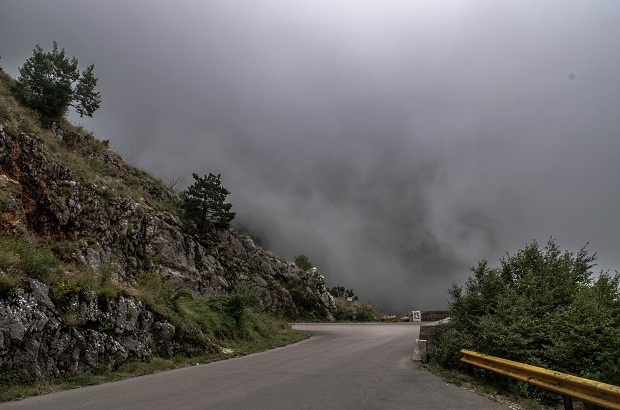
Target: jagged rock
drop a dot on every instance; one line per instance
(12, 214)
(120, 235)
(37, 337)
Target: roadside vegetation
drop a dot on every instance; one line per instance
(346, 311)
(214, 328)
(347, 306)
(349, 309)
(541, 306)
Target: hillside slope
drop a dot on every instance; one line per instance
(97, 265)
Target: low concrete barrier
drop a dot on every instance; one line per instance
(426, 339)
(419, 351)
(432, 315)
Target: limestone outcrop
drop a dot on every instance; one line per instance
(106, 216)
(44, 339)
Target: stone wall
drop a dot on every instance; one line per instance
(432, 315)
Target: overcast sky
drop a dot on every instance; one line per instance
(395, 143)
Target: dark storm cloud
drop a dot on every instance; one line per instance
(394, 143)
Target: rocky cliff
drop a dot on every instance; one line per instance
(98, 214)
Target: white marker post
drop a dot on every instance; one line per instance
(415, 316)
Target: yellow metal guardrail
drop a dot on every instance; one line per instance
(601, 394)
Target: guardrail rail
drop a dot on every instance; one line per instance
(601, 394)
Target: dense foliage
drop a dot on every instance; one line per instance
(542, 307)
(348, 308)
(209, 327)
(346, 311)
(50, 82)
(342, 292)
(224, 319)
(203, 203)
(302, 262)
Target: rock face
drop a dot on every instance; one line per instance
(45, 340)
(114, 219)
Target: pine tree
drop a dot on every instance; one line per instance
(203, 203)
(50, 82)
(302, 262)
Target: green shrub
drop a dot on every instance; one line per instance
(227, 313)
(34, 260)
(108, 290)
(63, 292)
(9, 259)
(66, 250)
(37, 262)
(365, 313)
(8, 285)
(222, 317)
(540, 307)
(302, 262)
(307, 302)
(11, 375)
(154, 289)
(11, 131)
(353, 311)
(4, 114)
(106, 325)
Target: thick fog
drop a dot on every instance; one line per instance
(393, 143)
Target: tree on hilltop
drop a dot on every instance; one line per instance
(302, 262)
(203, 203)
(342, 292)
(50, 82)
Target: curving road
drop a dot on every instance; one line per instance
(343, 366)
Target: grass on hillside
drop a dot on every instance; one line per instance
(209, 325)
(214, 328)
(353, 311)
(90, 159)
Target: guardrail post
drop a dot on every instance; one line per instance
(568, 402)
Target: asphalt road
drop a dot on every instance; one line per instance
(343, 366)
